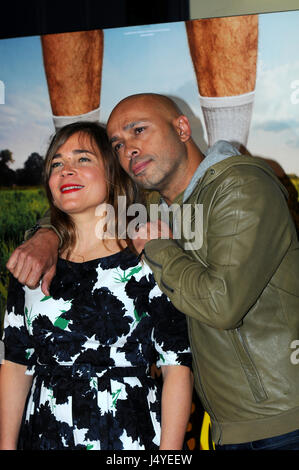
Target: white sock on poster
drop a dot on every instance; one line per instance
(60, 121)
(228, 118)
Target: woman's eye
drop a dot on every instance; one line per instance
(55, 164)
(84, 159)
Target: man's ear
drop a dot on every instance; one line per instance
(183, 128)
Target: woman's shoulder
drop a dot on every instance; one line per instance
(124, 260)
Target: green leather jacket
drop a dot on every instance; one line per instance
(240, 292)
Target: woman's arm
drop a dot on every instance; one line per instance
(176, 405)
(14, 388)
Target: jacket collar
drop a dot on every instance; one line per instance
(220, 151)
(215, 154)
(218, 159)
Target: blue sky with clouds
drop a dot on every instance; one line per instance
(156, 58)
(275, 122)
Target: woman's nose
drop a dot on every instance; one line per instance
(68, 169)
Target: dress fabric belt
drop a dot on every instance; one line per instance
(88, 371)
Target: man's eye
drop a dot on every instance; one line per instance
(138, 130)
(117, 147)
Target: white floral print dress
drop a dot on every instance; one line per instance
(89, 347)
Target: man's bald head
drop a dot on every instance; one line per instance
(166, 106)
(152, 139)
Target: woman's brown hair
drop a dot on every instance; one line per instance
(118, 182)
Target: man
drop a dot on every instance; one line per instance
(239, 289)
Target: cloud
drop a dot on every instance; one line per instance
(275, 111)
(277, 126)
(25, 124)
(273, 101)
(274, 131)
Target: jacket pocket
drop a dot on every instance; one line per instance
(248, 366)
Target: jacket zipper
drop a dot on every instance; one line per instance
(248, 366)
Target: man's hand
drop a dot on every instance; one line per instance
(151, 231)
(35, 259)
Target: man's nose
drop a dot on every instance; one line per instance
(132, 152)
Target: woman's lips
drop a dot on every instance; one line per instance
(68, 188)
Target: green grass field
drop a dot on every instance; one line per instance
(20, 208)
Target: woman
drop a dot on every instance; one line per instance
(77, 368)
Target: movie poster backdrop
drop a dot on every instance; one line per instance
(43, 79)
